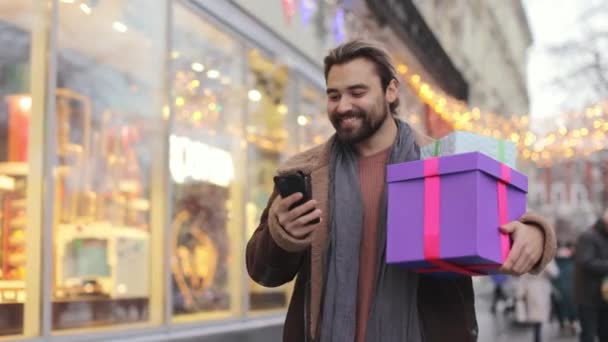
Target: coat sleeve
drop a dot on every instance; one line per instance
(587, 256)
(550, 243)
(273, 256)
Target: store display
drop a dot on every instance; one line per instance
(200, 248)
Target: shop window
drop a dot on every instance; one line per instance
(110, 62)
(21, 61)
(207, 151)
(314, 127)
(271, 138)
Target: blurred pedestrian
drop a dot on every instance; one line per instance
(533, 296)
(591, 277)
(564, 291)
(499, 294)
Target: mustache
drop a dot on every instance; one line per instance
(349, 114)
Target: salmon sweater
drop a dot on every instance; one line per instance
(372, 176)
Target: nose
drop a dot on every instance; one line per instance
(344, 106)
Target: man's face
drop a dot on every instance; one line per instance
(356, 103)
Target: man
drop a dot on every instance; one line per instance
(344, 290)
(591, 276)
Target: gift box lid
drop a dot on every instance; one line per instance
(464, 162)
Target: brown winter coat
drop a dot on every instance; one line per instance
(446, 306)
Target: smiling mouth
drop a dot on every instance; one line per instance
(349, 121)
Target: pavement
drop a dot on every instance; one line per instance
(499, 328)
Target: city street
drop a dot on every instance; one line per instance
(499, 328)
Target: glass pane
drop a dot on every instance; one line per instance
(16, 20)
(270, 123)
(206, 158)
(314, 127)
(109, 117)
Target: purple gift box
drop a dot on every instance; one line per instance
(444, 213)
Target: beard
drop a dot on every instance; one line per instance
(368, 125)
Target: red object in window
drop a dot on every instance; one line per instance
(19, 113)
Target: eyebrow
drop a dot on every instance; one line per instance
(352, 87)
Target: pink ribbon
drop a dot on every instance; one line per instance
(503, 209)
(432, 224)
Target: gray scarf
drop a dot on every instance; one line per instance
(394, 315)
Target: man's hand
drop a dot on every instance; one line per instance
(296, 221)
(527, 249)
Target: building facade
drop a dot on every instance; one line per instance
(488, 42)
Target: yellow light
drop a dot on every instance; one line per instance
(527, 153)
(416, 79)
(119, 27)
(85, 9)
(584, 132)
(535, 156)
(515, 137)
(175, 54)
(195, 84)
(198, 67)
(597, 110)
(476, 114)
(213, 74)
(402, 68)
(563, 130)
(282, 109)
(180, 101)
(302, 120)
(25, 103)
(569, 153)
(212, 106)
(166, 112)
(225, 80)
(597, 124)
(68, 1)
(254, 95)
(197, 116)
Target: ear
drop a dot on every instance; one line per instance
(392, 91)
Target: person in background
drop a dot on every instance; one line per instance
(564, 286)
(499, 290)
(535, 292)
(591, 278)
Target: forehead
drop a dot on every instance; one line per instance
(356, 71)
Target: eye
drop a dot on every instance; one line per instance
(334, 97)
(358, 93)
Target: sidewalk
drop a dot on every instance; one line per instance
(499, 329)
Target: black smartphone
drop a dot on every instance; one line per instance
(292, 183)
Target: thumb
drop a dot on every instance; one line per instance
(508, 228)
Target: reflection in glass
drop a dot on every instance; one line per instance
(15, 112)
(205, 161)
(108, 116)
(268, 127)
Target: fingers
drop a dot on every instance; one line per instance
(301, 232)
(285, 203)
(297, 220)
(509, 265)
(510, 227)
(306, 219)
(301, 210)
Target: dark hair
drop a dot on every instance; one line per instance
(371, 51)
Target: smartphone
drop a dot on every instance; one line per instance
(291, 183)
